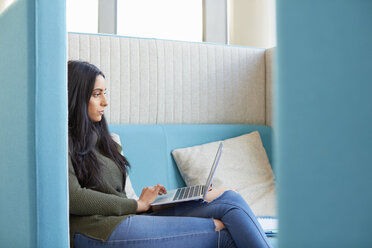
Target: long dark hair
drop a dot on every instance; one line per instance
(84, 135)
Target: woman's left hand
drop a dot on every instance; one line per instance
(148, 196)
(162, 190)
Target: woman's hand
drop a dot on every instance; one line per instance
(148, 196)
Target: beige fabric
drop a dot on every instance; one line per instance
(154, 81)
(270, 53)
(243, 165)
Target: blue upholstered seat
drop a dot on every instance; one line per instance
(148, 148)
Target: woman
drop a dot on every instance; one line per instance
(100, 213)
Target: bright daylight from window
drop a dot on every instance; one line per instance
(164, 19)
(82, 16)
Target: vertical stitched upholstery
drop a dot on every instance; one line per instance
(153, 81)
(270, 53)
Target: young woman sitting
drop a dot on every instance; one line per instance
(100, 213)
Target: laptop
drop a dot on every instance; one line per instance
(190, 193)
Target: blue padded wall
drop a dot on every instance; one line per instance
(17, 126)
(51, 124)
(323, 120)
(33, 133)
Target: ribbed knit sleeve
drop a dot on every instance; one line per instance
(85, 201)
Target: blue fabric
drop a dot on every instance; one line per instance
(148, 148)
(323, 120)
(188, 225)
(18, 205)
(51, 124)
(33, 133)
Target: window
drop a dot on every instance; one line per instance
(82, 16)
(164, 19)
(239, 22)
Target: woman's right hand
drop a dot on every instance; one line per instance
(148, 196)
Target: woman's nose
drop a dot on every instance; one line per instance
(104, 101)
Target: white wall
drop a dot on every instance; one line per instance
(252, 23)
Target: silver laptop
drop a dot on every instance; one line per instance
(190, 193)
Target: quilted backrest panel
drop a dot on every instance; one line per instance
(153, 81)
(270, 53)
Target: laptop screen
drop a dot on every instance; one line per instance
(213, 169)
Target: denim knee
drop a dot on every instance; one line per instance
(232, 199)
(231, 196)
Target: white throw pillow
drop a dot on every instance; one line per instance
(131, 194)
(243, 166)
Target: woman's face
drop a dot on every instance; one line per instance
(97, 101)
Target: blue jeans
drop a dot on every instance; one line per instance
(188, 225)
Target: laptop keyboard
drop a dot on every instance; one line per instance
(188, 192)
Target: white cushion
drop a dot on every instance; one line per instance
(131, 194)
(243, 166)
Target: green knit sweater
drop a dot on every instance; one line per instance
(97, 213)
